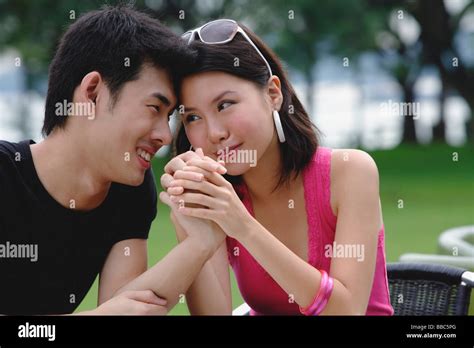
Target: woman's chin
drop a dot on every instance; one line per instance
(235, 169)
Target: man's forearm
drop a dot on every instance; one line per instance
(174, 274)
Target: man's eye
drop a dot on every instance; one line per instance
(225, 105)
(191, 117)
(156, 107)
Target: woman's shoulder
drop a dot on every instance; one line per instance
(344, 160)
(353, 172)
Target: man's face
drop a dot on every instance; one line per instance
(126, 136)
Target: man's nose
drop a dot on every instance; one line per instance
(161, 133)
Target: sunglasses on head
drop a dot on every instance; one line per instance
(221, 31)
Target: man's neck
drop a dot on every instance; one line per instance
(64, 168)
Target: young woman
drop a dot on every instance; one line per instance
(303, 222)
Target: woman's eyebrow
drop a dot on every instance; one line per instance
(192, 108)
(188, 109)
(221, 95)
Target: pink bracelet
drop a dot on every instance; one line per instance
(311, 309)
(325, 300)
(322, 297)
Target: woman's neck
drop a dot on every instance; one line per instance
(262, 179)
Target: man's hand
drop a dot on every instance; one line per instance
(143, 302)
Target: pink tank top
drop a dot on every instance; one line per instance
(258, 288)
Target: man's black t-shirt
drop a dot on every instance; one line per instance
(51, 255)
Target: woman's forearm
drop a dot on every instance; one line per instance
(210, 291)
(298, 279)
(206, 296)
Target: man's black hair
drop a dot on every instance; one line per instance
(116, 42)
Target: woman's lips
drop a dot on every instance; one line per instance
(234, 147)
(227, 149)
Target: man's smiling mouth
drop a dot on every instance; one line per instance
(147, 156)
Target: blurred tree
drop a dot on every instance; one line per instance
(435, 46)
(32, 28)
(400, 55)
(315, 29)
(301, 32)
(438, 33)
(308, 30)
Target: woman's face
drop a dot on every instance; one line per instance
(230, 118)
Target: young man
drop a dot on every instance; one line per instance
(81, 202)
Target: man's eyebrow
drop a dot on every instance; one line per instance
(162, 98)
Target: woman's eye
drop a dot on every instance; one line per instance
(224, 105)
(190, 118)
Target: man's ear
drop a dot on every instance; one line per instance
(274, 92)
(90, 86)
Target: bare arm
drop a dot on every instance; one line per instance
(173, 275)
(210, 292)
(126, 260)
(359, 220)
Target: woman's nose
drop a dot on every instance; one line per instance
(217, 133)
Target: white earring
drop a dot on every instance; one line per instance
(191, 148)
(279, 128)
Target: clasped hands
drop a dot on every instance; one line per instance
(204, 205)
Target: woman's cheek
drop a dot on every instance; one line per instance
(254, 134)
(196, 138)
(243, 128)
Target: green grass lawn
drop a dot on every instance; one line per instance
(437, 194)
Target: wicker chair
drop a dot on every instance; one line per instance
(422, 289)
(429, 289)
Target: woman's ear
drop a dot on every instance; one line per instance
(274, 92)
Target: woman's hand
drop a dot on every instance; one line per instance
(207, 233)
(204, 230)
(179, 162)
(216, 197)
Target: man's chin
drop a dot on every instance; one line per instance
(131, 180)
(137, 181)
